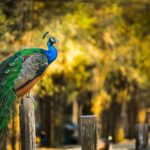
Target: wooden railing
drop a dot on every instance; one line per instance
(88, 130)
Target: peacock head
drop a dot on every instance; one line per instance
(51, 40)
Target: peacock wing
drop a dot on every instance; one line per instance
(32, 68)
(9, 71)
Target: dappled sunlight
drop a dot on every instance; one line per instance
(102, 68)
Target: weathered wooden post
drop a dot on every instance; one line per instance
(141, 134)
(27, 124)
(88, 132)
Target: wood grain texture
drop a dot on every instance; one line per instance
(27, 124)
(88, 132)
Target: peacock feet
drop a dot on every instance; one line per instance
(28, 95)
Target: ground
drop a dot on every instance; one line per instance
(127, 145)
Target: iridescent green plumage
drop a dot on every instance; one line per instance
(9, 72)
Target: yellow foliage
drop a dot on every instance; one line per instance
(103, 49)
(119, 134)
(101, 102)
(141, 116)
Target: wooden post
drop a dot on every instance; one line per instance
(148, 116)
(88, 132)
(27, 124)
(141, 133)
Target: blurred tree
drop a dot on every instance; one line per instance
(103, 61)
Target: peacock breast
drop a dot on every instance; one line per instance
(51, 54)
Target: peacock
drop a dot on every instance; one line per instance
(20, 72)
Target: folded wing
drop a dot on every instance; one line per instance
(32, 68)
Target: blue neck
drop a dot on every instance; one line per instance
(51, 52)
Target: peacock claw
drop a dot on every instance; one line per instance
(32, 98)
(28, 95)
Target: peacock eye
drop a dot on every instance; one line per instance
(52, 39)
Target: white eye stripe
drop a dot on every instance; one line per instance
(53, 39)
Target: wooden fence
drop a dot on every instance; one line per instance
(88, 130)
(88, 135)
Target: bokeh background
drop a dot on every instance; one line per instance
(103, 67)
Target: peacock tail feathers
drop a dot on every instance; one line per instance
(6, 111)
(10, 69)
